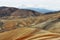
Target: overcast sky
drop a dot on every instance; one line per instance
(46, 4)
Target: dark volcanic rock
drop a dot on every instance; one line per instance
(6, 11)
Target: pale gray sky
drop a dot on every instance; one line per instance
(46, 4)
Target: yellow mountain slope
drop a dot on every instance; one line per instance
(26, 33)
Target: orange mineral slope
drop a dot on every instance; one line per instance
(25, 33)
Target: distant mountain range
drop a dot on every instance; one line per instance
(12, 12)
(39, 10)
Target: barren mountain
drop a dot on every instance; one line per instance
(15, 12)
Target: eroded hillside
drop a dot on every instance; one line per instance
(22, 24)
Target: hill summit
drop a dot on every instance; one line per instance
(15, 12)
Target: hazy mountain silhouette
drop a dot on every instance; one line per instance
(40, 10)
